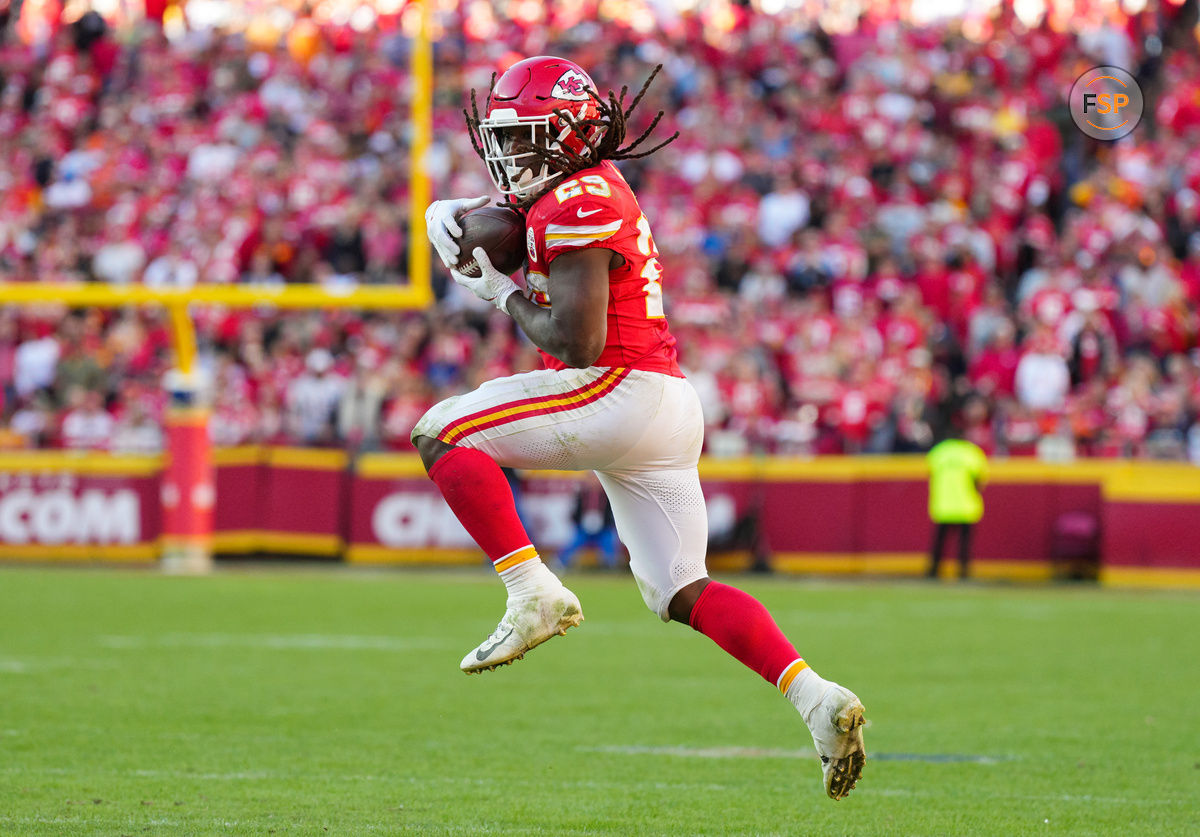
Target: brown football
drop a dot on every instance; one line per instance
(500, 231)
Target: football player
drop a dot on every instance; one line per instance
(611, 398)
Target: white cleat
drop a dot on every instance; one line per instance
(527, 623)
(836, 723)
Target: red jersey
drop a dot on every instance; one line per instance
(596, 208)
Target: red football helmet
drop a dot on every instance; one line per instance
(526, 98)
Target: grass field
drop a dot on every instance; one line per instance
(326, 702)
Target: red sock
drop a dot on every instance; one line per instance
(739, 623)
(481, 499)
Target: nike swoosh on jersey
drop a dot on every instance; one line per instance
(583, 214)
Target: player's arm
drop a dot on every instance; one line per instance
(575, 328)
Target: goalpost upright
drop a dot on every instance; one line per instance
(187, 491)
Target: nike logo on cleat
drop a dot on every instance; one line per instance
(482, 653)
(583, 214)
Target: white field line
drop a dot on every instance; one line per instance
(771, 753)
(14, 665)
(302, 642)
(1034, 797)
(292, 776)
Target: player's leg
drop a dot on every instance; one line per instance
(463, 442)
(544, 419)
(964, 549)
(477, 491)
(539, 606)
(936, 548)
(661, 517)
(744, 628)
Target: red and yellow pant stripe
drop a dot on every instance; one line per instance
(457, 430)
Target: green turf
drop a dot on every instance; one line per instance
(311, 702)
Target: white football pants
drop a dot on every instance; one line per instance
(641, 432)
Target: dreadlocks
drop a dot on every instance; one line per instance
(613, 116)
(472, 118)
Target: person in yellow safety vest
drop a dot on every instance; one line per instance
(957, 470)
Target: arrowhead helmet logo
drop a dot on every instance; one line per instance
(571, 85)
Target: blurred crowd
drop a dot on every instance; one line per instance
(868, 237)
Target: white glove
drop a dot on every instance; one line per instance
(491, 285)
(441, 225)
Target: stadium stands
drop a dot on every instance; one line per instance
(866, 236)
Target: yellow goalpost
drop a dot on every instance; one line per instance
(187, 481)
(417, 294)
(187, 491)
